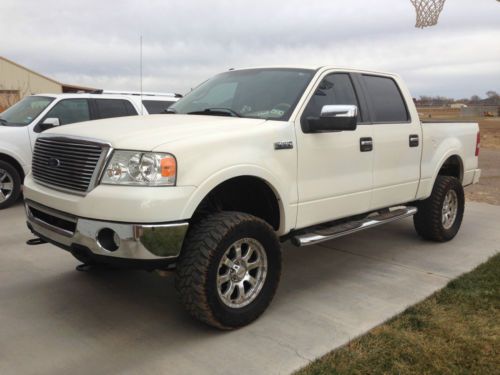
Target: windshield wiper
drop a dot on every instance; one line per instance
(216, 111)
(3, 121)
(169, 110)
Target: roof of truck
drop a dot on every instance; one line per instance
(316, 68)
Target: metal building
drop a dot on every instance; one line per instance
(17, 81)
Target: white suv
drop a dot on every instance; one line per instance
(21, 124)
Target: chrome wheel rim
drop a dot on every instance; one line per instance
(6, 185)
(450, 209)
(241, 273)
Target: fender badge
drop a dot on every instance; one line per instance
(283, 145)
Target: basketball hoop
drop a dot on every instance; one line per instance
(427, 12)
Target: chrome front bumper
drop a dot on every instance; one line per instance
(119, 240)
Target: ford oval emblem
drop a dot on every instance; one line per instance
(53, 163)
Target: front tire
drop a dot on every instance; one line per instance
(229, 269)
(439, 217)
(10, 185)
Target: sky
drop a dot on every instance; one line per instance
(96, 43)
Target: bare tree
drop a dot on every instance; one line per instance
(492, 94)
(475, 98)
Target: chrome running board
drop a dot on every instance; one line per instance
(320, 234)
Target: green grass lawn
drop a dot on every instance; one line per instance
(454, 331)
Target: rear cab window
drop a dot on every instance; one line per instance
(156, 106)
(107, 108)
(386, 102)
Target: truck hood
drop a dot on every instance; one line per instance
(148, 132)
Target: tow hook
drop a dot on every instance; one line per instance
(35, 241)
(84, 267)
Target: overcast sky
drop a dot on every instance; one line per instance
(96, 42)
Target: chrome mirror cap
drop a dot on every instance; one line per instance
(343, 110)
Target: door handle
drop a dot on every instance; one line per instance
(365, 144)
(413, 140)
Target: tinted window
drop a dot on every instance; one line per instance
(156, 106)
(107, 108)
(334, 89)
(69, 111)
(254, 93)
(386, 101)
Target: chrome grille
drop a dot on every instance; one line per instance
(67, 163)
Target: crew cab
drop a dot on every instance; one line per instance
(21, 124)
(249, 159)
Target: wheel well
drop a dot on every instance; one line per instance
(14, 163)
(452, 167)
(247, 194)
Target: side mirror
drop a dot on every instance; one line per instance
(334, 118)
(48, 123)
(51, 122)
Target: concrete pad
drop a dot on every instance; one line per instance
(54, 320)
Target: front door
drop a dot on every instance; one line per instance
(334, 174)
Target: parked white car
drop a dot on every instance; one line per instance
(21, 124)
(249, 159)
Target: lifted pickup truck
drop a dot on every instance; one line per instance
(248, 159)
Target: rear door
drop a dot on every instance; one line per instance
(397, 141)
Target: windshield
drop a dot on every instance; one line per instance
(25, 111)
(270, 94)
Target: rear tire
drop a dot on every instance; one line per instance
(229, 269)
(439, 217)
(10, 185)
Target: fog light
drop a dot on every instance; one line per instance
(108, 239)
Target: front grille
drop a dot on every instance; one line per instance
(66, 163)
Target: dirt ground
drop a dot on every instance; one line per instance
(488, 188)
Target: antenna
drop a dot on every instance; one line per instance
(140, 70)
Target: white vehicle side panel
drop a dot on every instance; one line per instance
(441, 141)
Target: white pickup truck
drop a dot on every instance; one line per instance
(247, 160)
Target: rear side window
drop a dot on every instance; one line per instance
(387, 103)
(156, 106)
(107, 108)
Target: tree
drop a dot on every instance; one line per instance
(492, 94)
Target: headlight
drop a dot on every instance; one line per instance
(140, 168)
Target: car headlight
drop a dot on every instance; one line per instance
(140, 168)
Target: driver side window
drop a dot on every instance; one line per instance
(335, 88)
(69, 111)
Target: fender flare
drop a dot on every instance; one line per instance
(224, 175)
(16, 158)
(426, 190)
